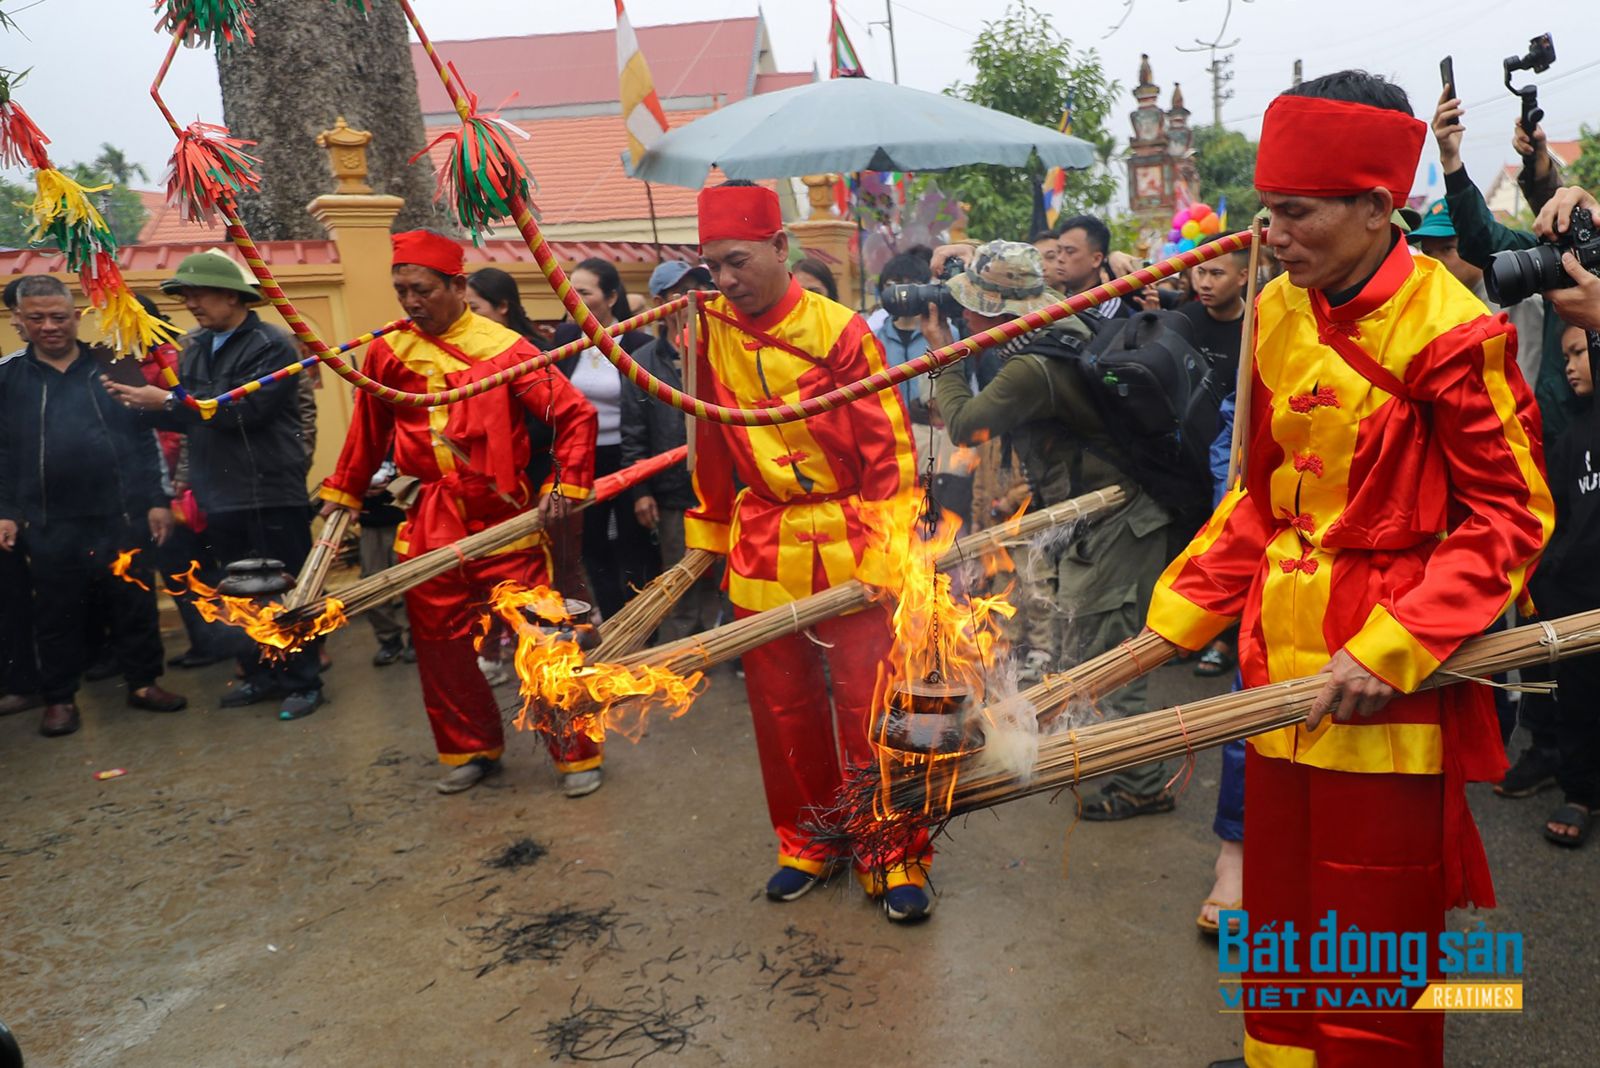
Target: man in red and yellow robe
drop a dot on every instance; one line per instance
(796, 526)
(471, 458)
(1392, 506)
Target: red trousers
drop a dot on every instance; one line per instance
(1371, 848)
(444, 612)
(805, 742)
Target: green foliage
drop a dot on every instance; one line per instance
(1226, 162)
(14, 198)
(1585, 170)
(1025, 68)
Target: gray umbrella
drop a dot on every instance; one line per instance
(846, 125)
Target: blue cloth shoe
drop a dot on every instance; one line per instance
(789, 883)
(907, 904)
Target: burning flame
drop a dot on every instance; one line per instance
(257, 618)
(562, 693)
(944, 634)
(123, 564)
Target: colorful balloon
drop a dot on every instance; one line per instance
(1199, 211)
(1191, 229)
(1210, 225)
(1186, 244)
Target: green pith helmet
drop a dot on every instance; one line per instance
(212, 269)
(1004, 278)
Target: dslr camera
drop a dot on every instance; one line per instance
(907, 299)
(1517, 274)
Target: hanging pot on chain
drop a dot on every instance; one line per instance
(927, 717)
(574, 628)
(261, 579)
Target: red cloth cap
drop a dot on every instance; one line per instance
(1312, 147)
(424, 248)
(738, 213)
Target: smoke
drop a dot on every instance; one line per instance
(1010, 725)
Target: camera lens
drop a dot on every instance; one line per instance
(1518, 274)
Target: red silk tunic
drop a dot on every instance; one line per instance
(797, 525)
(1393, 506)
(461, 497)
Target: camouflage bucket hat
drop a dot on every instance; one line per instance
(1004, 278)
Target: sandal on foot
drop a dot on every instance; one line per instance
(1122, 805)
(1212, 927)
(1575, 816)
(1214, 662)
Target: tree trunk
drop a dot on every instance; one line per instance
(313, 61)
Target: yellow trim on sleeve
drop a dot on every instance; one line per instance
(706, 534)
(339, 497)
(1388, 650)
(567, 490)
(1259, 1054)
(1181, 621)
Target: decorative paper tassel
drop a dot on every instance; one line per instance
(482, 171)
(126, 326)
(209, 169)
(63, 213)
(218, 23)
(21, 142)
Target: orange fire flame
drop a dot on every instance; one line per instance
(257, 618)
(942, 634)
(562, 694)
(122, 566)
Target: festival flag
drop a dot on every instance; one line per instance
(641, 107)
(1222, 213)
(842, 54)
(1055, 179)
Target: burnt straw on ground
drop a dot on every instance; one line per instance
(519, 854)
(849, 827)
(543, 936)
(631, 1032)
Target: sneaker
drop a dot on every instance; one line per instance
(494, 671)
(248, 693)
(300, 705)
(907, 904)
(467, 775)
(1033, 668)
(1534, 771)
(789, 883)
(581, 783)
(389, 652)
(12, 703)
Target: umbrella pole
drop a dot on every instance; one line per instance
(655, 234)
(861, 252)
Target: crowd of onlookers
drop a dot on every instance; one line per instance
(84, 478)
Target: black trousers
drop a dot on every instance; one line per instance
(616, 568)
(71, 565)
(19, 671)
(1577, 729)
(182, 549)
(278, 534)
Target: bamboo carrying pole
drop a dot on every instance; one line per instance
(1247, 362)
(700, 651)
(630, 628)
(378, 589)
(1068, 757)
(314, 572)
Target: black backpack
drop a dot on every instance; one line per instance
(1160, 402)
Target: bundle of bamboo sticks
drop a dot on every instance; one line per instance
(389, 583)
(630, 628)
(1098, 676)
(1067, 757)
(314, 572)
(700, 651)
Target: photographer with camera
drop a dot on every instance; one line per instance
(1108, 567)
(1566, 225)
(1479, 237)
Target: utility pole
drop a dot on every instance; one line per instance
(1220, 68)
(888, 20)
(1296, 83)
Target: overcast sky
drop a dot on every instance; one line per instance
(92, 60)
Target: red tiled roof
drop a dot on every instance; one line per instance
(165, 257)
(578, 165)
(1566, 151)
(710, 58)
(164, 224)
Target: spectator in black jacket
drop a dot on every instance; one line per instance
(19, 674)
(247, 463)
(650, 428)
(80, 475)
